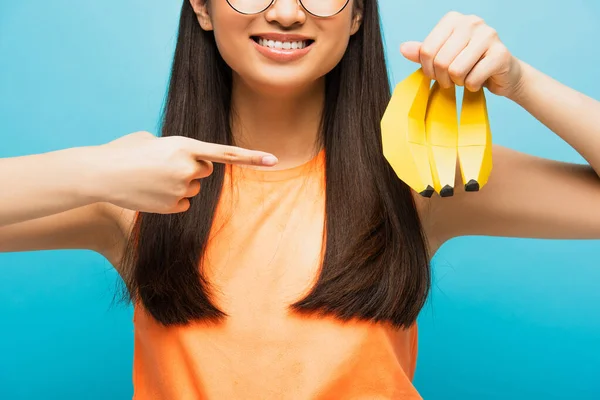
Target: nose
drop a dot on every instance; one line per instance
(286, 13)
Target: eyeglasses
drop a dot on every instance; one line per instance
(318, 8)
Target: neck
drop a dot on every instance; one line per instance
(285, 125)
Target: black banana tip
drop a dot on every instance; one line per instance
(428, 192)
(472, 186)
(447, 191)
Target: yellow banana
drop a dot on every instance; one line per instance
(441, 128)
(474, 141)
(422, 137)
(403, 133)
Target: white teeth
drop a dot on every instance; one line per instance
(282, 45)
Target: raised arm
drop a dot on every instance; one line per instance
(46, 184)
(49, 201)
(525, 196)
(85, 198)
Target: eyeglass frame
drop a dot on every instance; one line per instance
(300, 2)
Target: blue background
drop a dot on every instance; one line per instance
(508, 318)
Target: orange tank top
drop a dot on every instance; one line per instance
(263, 254)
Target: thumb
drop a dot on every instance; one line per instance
(411, 50)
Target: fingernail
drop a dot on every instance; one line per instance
(269, 160)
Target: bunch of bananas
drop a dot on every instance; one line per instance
(422, 137)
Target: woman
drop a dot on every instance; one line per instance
(269, 249)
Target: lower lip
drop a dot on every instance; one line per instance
(281, 55)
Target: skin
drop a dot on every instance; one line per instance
(291, 94)
(526, 196)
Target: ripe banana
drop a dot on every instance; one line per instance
(422, 137)
(441, 130)
(474, 141)
(403, 133)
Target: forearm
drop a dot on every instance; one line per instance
(45, 184)
(570, 114)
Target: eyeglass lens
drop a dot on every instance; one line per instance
(319, 8)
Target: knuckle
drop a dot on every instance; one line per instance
(187, 171)
(427, 52)
(135, 136)
(475, 20)
(173, 148)
(170, 206)
(142, 134)
(181, 191)
(456, 72)
(230, 156)
(429, 73)
(441, 63)
(499, 48)
(492, 32)
(472, 85)
(503, 53)
(171, 139)
(177, 142)
(452, 14)
(181, 145)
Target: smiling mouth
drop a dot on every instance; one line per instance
(287, 45)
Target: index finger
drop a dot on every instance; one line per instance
(434, 42)
(225, 154)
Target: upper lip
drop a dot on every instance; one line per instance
(282, 37)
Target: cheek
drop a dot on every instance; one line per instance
(228, 46)
(231, 36)
(334, 43)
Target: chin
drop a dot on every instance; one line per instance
(278, 84)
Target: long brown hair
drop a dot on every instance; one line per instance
(375, 266)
